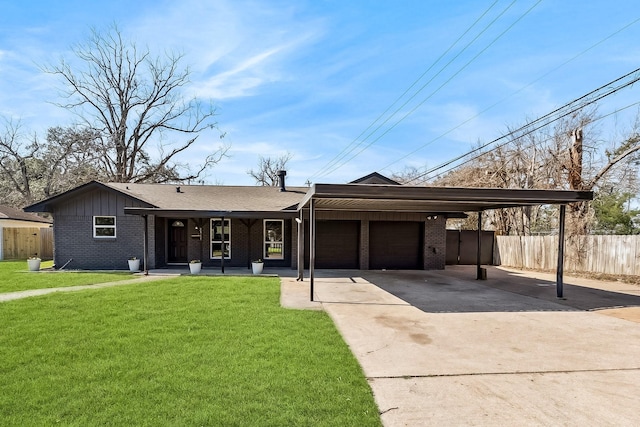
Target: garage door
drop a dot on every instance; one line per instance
(396, 245)
(337, 244)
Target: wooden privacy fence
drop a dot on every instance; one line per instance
(596, 254)
(22, 243)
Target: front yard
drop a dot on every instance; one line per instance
(182, 351)
(14, 276)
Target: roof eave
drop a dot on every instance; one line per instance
(46, 205)
(190, 213)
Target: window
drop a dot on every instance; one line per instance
(273, 239)
(104, 227)
(220, 237)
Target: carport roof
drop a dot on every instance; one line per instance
(371, 197)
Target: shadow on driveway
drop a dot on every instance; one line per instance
(455, 290)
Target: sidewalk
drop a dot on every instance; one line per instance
(9, 296)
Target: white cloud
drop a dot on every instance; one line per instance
(232, 47)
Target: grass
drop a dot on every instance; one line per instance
(183, 351)
(14, 276)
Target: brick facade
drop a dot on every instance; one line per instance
(74, 241)
(434, 251)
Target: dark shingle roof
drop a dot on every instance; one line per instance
(213, 197)
(7, 212)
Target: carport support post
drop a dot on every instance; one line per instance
(312, 244)
(146, 245)
(300, 223)
(560, 270)
(223, 248)
(479, 254)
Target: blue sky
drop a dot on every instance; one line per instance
(309, 77)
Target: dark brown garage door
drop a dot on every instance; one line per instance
(396, 245)
(337, 244)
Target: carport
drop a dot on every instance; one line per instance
(428, 201)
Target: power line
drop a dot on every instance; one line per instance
(545, 140)
(511, 95)
(354, 143)
(348, 150)
(547, 119)
(434, 92)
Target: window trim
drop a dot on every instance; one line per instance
(265, 241)
(96, 226)
(211, 241)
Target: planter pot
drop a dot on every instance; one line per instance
(195, 267)
(256, 267)
(134, 265)
(34, 264)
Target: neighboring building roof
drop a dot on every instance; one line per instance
(375, 178)
(7, 212)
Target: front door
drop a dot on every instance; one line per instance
(177, 244)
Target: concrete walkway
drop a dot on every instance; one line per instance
(9, 296)
(525, 360)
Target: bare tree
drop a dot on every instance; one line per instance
(267, 172)
(552, 158)
(134, 103)
(17, 152)
(70, 157)
(410, 175)
(31, 169)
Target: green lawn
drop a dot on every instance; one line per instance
(14, 276)
(189, 351)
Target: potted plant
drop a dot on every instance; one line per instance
(257, 266)
(195, 266)
(134, 264)
(33, 263)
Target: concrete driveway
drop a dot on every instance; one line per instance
(440, 348)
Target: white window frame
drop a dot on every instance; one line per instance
(101, 226)
(266, 241)
(222, 242)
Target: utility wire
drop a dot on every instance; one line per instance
(546, 119)
(511, 95)
(354, 144)
(435, 91)
(544, 140)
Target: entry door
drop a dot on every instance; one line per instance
(177, 241)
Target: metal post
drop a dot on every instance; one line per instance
(312, 244)
(223, 248)
(560, 270)
(300, 222)
(146, 246)
(479, 254)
